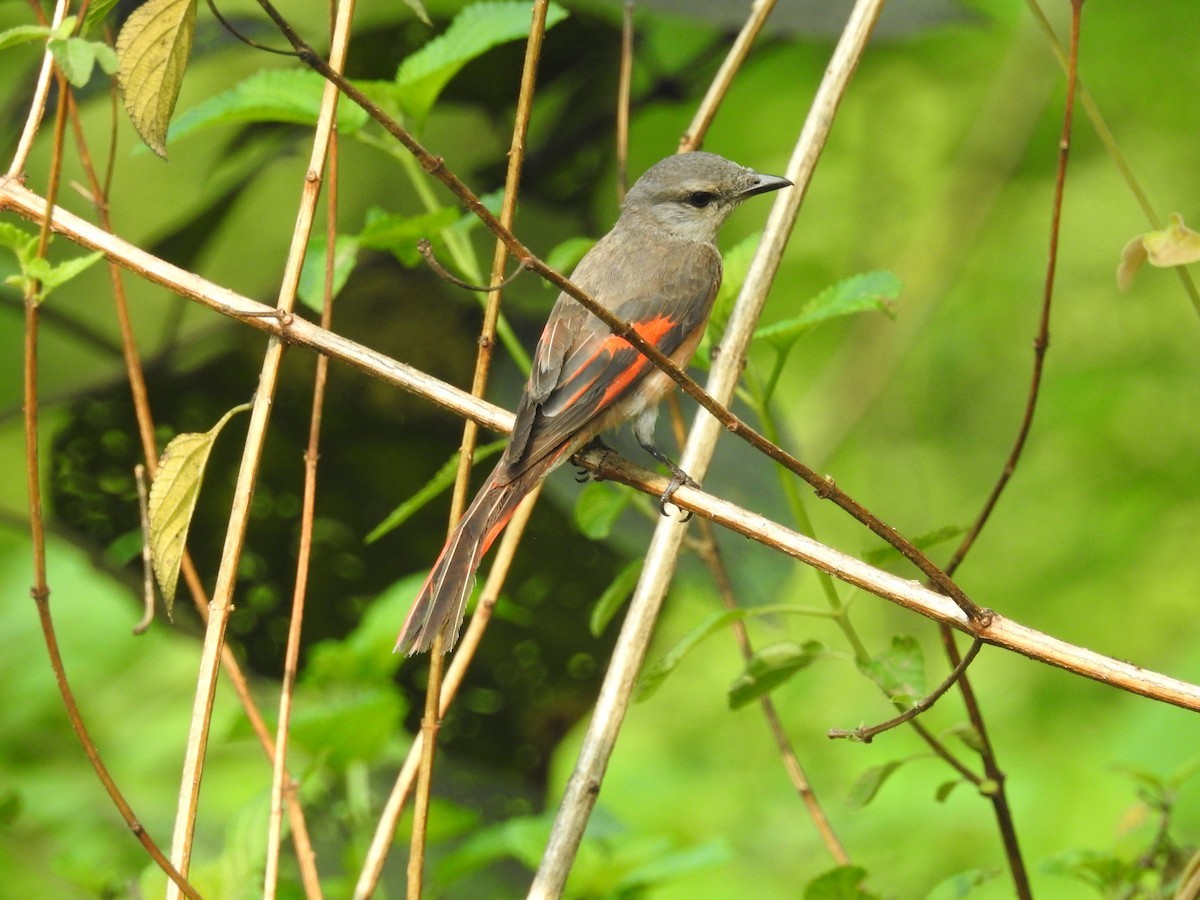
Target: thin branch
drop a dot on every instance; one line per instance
(139, 476)
(281, 784)
(135, 376)
(866, 734)
(221, 603)
(372, 870)
(41, 587)
(624, 88)
(1008, 634)
(616, 691)
(693, 138)
(41, 90)
(826, 489)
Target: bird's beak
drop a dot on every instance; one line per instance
(764, 183)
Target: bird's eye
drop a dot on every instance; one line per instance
(699, 199)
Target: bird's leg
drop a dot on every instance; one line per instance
(678, 476)
(581, 474)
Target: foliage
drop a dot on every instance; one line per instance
(938, 178)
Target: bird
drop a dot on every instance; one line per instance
(657, 269)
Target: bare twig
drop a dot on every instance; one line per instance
(221, 603)
(41, 587)
(37, 108)
(624, 88)
(616, 691)
(1006, 634)
(693, 138)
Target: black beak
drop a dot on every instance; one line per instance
(764, 183)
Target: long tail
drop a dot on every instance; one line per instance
(440, 605)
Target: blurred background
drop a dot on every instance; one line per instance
(940, 169)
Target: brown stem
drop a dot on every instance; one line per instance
(41, 588)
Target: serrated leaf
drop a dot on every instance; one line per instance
(400, 234)
(654, 676)
(286, 96)
(441, 481)
(18, 240)
(153, 49)
(68, 269)
(900, 670)
(842, 883)
(474, 31)
(867, 292)
(597, 508)
(867, 785)
(173, 500)
(23, 34)
(614, 596)
(311, 288)
(770, 667)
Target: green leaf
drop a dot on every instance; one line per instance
(153, 49)
(65, 271)
(441, 481)
(868, 292)
(900, 670)
(418, 9)
(311, 288)
(97, 12)
(173, 500)
(347, 725)
(665, 867)
(23, 34)
(966, 733)
(566, 255)
(770, 667)
(19, 241)
(842, 883)
(869, 782)
(399, 234)
(653, 677)
(882, 556)
(956, 887)
(597, 508)
(614, 596)
(76, 57)
(287, 96)
(474, 31)
(946, 788)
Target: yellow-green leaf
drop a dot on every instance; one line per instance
(153, 50)
(1175, 245)
(173, 500)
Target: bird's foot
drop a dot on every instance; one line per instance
(583, 475)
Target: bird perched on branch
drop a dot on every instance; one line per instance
(658, 269)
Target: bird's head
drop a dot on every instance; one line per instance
(690, 195)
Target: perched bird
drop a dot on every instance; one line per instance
(658, 269)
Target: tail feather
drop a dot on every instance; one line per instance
(440, 605)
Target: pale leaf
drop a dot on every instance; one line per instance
(173, 500)
(153, 49)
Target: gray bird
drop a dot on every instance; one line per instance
(658, 269)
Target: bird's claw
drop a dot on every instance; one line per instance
(679, 478)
